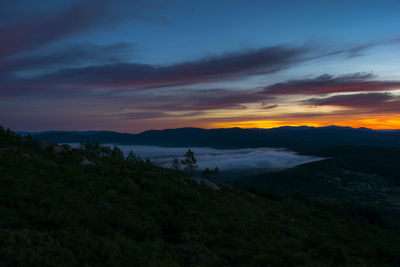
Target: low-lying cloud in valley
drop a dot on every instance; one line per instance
(224, 159)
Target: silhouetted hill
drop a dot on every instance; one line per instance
(91, 207)
(302, 139)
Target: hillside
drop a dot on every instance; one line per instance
(366, 175)
(301, 139)
(71, 207)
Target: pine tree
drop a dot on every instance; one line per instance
(216, 173)
(132, 157)
(189, 162)
(117, 154)
(176, 165)
(207, 173)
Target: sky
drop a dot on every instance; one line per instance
(131, 66)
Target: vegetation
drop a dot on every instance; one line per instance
(355, 174)
(189, 162)
(89, 207)
(211, 174)
(176, 165)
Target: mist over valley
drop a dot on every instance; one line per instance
(250, 159)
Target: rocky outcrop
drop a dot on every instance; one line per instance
(66, 147)
(206, 183)
(57, 149)
(85, 162)
(41, 144)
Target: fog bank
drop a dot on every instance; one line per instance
(224, 159)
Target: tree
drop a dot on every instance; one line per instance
(176, 165)
(117, 154)
(216, 173)
(132, 157)
(207, 173)
(105, 152)
(82, 145)
(189, 162)
(148, 162)
(211, 174)
(139, 159)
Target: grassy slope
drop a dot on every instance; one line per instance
(56, 212)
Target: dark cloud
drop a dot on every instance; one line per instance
(220, 99)
(269, 106)
(347, 51)
(351, 51)
(141, 115)
(41, 29)
(327, 84)
(376, 102)
(358, 50)
(185, 100)
(353, 100)
(122, 75)
(44, 28)
(72, 55)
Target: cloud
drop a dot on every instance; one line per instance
(178, 103)
(327, 84)
(130, 75)
(40, 29)
(353, 100)
(220, 99)
(269, 106)
(140, 115)
(69, 56)
(378, 102)
(261, 61)
(188, 100)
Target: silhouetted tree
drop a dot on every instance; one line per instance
(189, 162)
(216, 173)
(211, 174)
(132, 157)
(82, 145)
(148, 162)
(117, 154)
(139, 159)
(207, 173)
(105, 151)
(176, 165)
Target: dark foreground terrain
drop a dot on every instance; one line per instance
(355, 174)
(90, 207)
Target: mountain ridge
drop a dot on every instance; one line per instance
(301, 138)
(259, 129)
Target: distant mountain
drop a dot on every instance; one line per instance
(303, 139)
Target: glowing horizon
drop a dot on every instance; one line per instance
(126, 66)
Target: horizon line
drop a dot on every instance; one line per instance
(191, 127)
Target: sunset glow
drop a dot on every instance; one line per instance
(377, 123)
(128, 66)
